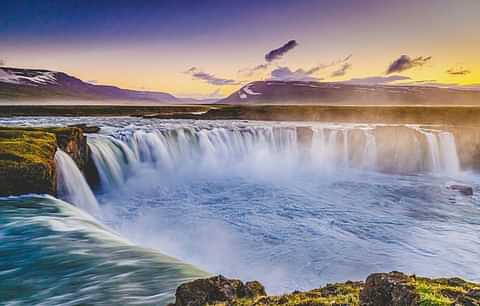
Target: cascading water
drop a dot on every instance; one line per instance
(72, 186)
(331, 148)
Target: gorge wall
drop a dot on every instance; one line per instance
(27, 155)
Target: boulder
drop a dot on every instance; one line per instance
(463, 189)
(216, 289)
(394, 289)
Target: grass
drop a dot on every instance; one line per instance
(332, 294)
(440, 292)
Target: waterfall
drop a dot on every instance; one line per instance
(71, 185)
(448, 148)
(395, 149)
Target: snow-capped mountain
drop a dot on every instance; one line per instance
(299, 92)
(28, 84)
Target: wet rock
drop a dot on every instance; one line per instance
(214, 290)
(86, 128)
(27, 157)
(304, 135)
(394, 289)
(463, 189)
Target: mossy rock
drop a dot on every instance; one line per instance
(27, 162)
(380, 289)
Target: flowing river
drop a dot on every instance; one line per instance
(293, 205)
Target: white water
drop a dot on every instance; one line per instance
(72, 186)
(263, 149)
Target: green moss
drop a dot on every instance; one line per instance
(442, 291)
(332, 294)
(27, 161)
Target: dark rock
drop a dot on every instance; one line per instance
(216, 289)
(463, 189)
(393, 289)
(474, 293)
(464, 300)
(456, 282)
(450, 293)
(86, 128)
(304, 136)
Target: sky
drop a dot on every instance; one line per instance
(208, 48)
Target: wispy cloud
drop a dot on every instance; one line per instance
(341, 71)
(210, 78)
(458, 71)
(279, 52)
(376, 80)
(2, 62)
(248, 72)
(285, 74)
(405, 62)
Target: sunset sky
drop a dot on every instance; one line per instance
(210, 48)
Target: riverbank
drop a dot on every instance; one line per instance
(27, 157)
(379, 289)
(452, 115)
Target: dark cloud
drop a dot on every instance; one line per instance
(285, 74)
(458, 71)
(376, 80)
(210, 78)
(405, 62)
(279, 52)
(341, 71)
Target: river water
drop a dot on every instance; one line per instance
(293, 205)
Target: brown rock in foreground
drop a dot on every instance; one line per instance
(216, 289)
(395, 289)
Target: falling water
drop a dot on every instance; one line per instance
(331, 148)
(71, 184)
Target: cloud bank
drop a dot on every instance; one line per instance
(285, 74)
(279, 52)
(405, 62)
(210, 78)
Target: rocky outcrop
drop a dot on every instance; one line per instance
(395, 289)
(27, 162)
(216, 289)
(379, 289)
(27, 157)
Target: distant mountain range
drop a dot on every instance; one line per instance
(32, 84)
(296, 92)
(44, 85)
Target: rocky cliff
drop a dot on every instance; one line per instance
(27, 157)
(379, 289)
